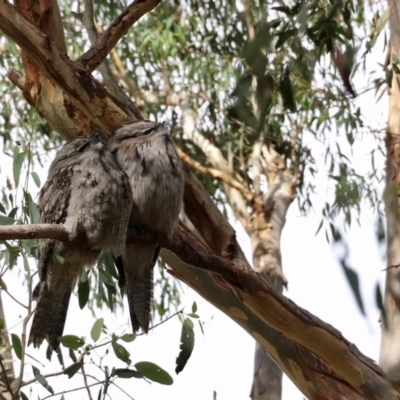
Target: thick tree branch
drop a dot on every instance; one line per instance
(107, 41)
(302, 329)
(90, 96)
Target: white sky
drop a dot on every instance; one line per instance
(222, 359)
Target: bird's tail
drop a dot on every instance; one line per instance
(50, 315)
(138, 266)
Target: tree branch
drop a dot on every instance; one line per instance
(88, 94)
(104, 67)
(107, 41)
(215, 173)
(217, 160)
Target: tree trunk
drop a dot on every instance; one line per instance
(390, 321)
(270, 215)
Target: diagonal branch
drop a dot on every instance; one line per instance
(104, 68)
(215, 173)
(107, 41)
(89, 95)
(217, 160)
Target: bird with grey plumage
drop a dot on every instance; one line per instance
(88, 192)
(146, 152)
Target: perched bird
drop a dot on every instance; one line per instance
(146, 152)
(87, 191)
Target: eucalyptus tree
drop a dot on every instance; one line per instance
(241, 84)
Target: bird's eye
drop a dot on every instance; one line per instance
(83, 146)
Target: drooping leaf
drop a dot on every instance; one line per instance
(380, 304)
(23, 395)
(72, 369)
(121, 352)
(83, 293)
(34, 215)
(286, 90)
(354, 283)
(186, 346)
(36, 178)
(17, 346)
(96, 329)
(41, 379)
(17, 166)
(153, 372)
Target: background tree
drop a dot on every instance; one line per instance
(240, 87)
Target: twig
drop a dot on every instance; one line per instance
(165, 320)
(23, 337)
(106, 42)
(122, 390)
(86, 382)
(17, 301)
(112, 382)
(104, 67)
(187, 249)
(50, 375)
(70, 391)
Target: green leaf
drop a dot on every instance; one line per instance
(34, 213)
(1, 323)
(23, 395)
(26, 267)
(83, 293)
(126, 373)
(154, 373)
(6, 220)
(186, 346)
(72, 369)
(128, 337)
(36, 179)
(353, 280)
(121, 352)
(286, 90)
(3, 284)
(17, 346)
(194, 307)
(71, 341)
(17, 166)
(96, 329)
(41, 379)
(284, 36)
(106, 381)
(380, 304)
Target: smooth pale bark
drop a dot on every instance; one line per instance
(390, 325)
(270, 217)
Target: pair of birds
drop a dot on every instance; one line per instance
(98, 191)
